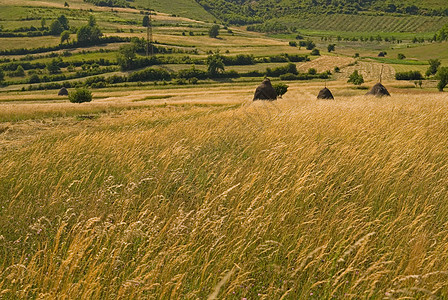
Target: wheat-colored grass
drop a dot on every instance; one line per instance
(295, 199)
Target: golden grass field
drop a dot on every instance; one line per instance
(212, 196)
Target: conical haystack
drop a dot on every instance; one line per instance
(325, 93)
(265, 91)
(378, 90)
(63, 92)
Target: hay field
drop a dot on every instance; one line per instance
(228, 199)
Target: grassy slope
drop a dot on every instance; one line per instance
(297, 198)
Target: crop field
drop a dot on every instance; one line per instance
(362, 24)
(212, 195)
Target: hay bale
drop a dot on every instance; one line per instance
(63, 92)
(378, 90)
(265, 91)
(325, 94)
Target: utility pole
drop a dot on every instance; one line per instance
(149, 33)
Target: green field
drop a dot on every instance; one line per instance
(361, 25)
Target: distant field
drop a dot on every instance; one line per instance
(363, 25)
(185, 8)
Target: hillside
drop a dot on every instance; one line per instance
(246, 11)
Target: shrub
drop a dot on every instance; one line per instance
(276, 72)
(289, 76)
(356, 78)
(80, 96)
(293, 44)
(315, 52)
(401, 56)
(280, 89)
(410, 75)
(150, 74)
(34, 79)
(312, 71)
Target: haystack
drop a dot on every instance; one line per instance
(63, 92)
(265, 91)
(325, 94)
(378, 90)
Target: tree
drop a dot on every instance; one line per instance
(2, 75)
(65, 36)
(356, 78)
(214, 31)
(66, 4)
(442, 75)
(56, 28)
(53, 66)
(126, 56)
(442, 34)
(92, 21)
(145, 21)
(20, 72)
(401, 56)
(331, 47)
(434, 65)
(215, 65)
(43, 23)
(34, 79)
(89, 33)
(64, 22)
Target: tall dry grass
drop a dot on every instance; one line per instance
(289, 200)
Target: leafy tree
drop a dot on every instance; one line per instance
(214, 31)
(92, 21)
(145, 21)
(66, 4)
(442, 75)
(2, 75)
(89, 33)
(331, 47)
(315, 52)
(310, 45)
(280, 89)
(64, 22)
(53, 66)
(65, 36)
(20, 72)
(401, 56)
(80, 96)
(43, 23)
(356, 78)
(215, 65)
(126, 56)
(34, 79)
(434, 65)
(442, 34)
(56, 28)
